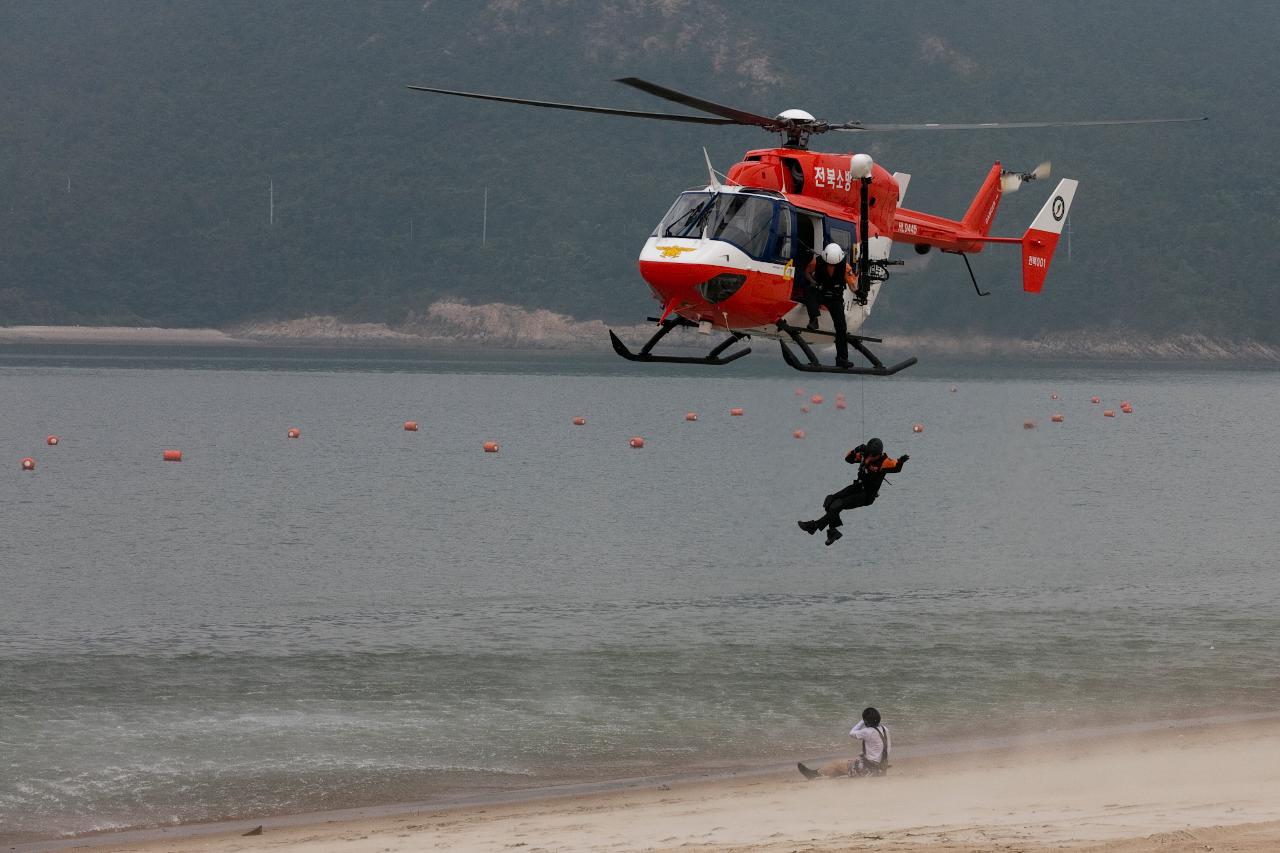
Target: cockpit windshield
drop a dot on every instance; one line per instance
(743, 219)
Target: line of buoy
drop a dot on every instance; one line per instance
(1109, 413)
(1056, 418)
(52, 441)
(816, 399)
(294, 432)
(737, 413)
(917, 427)
(491, 447)
(636, 442)
(1095, 400)
(28, 464)
(410, 426)
(172, 456)
(1053, 396)
(798, 433)
(804, 409)
(690, 416)
(1028, 424)
(579, 421)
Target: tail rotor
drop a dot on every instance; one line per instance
(1010, 181)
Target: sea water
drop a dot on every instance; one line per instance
(369, 615)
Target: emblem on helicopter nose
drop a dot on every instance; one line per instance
(1059, 208)
(674, 251)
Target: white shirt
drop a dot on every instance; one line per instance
(871, 740)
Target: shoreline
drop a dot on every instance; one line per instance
(589, 337)
(944, 756)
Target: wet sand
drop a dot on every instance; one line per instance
(1208, 787)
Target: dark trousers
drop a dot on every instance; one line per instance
(834, 302)
(850, 497)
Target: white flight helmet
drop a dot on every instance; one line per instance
(833, 254)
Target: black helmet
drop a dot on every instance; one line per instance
(871, 717)
(874, 448)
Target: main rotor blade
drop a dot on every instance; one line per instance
(736, 116)
(860, 127)
(577, 107)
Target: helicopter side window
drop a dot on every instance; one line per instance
(841, 233)
(784, 245)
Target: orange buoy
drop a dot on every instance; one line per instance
(737, 413)
(51, 440)
(491, 447)
(28, 464)
(579, 421)
(1028, 424)
(1128, 410)
(798, 433)
(690, 416)
(172, 456)
(294, 432)
(1095, 400)
(1057, 419)
(1053, 396)
(840, 404)
(636, 441)
(804, 409)
(1109, 414)
(816, 399)
(799, 392)
(410, 426)
(917, 427)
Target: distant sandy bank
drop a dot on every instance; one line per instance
(1206, 787)
(124, 335)
(497, 326)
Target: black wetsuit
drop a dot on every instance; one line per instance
(864, 490)
(826, 287)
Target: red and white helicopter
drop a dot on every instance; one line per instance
(726, 255)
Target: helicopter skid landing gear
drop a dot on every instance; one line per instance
(877, 367)
(666, 326)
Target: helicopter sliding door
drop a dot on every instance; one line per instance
(808, 244)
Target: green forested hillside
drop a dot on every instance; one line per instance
(138, 141)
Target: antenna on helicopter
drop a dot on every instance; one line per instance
(712, 180)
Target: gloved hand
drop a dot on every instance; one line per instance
(902, 460)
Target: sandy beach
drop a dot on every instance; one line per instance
(1212, 787)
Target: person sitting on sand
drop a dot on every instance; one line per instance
(874, 760)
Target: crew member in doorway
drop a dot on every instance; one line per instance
(873, 464)
(828, 275)
(874, 760)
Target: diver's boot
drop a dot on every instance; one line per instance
(810, 527)
(812, 327)
(832, 535)
(806, 772)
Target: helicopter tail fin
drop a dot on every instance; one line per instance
(982, 210)
(1042, 237)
